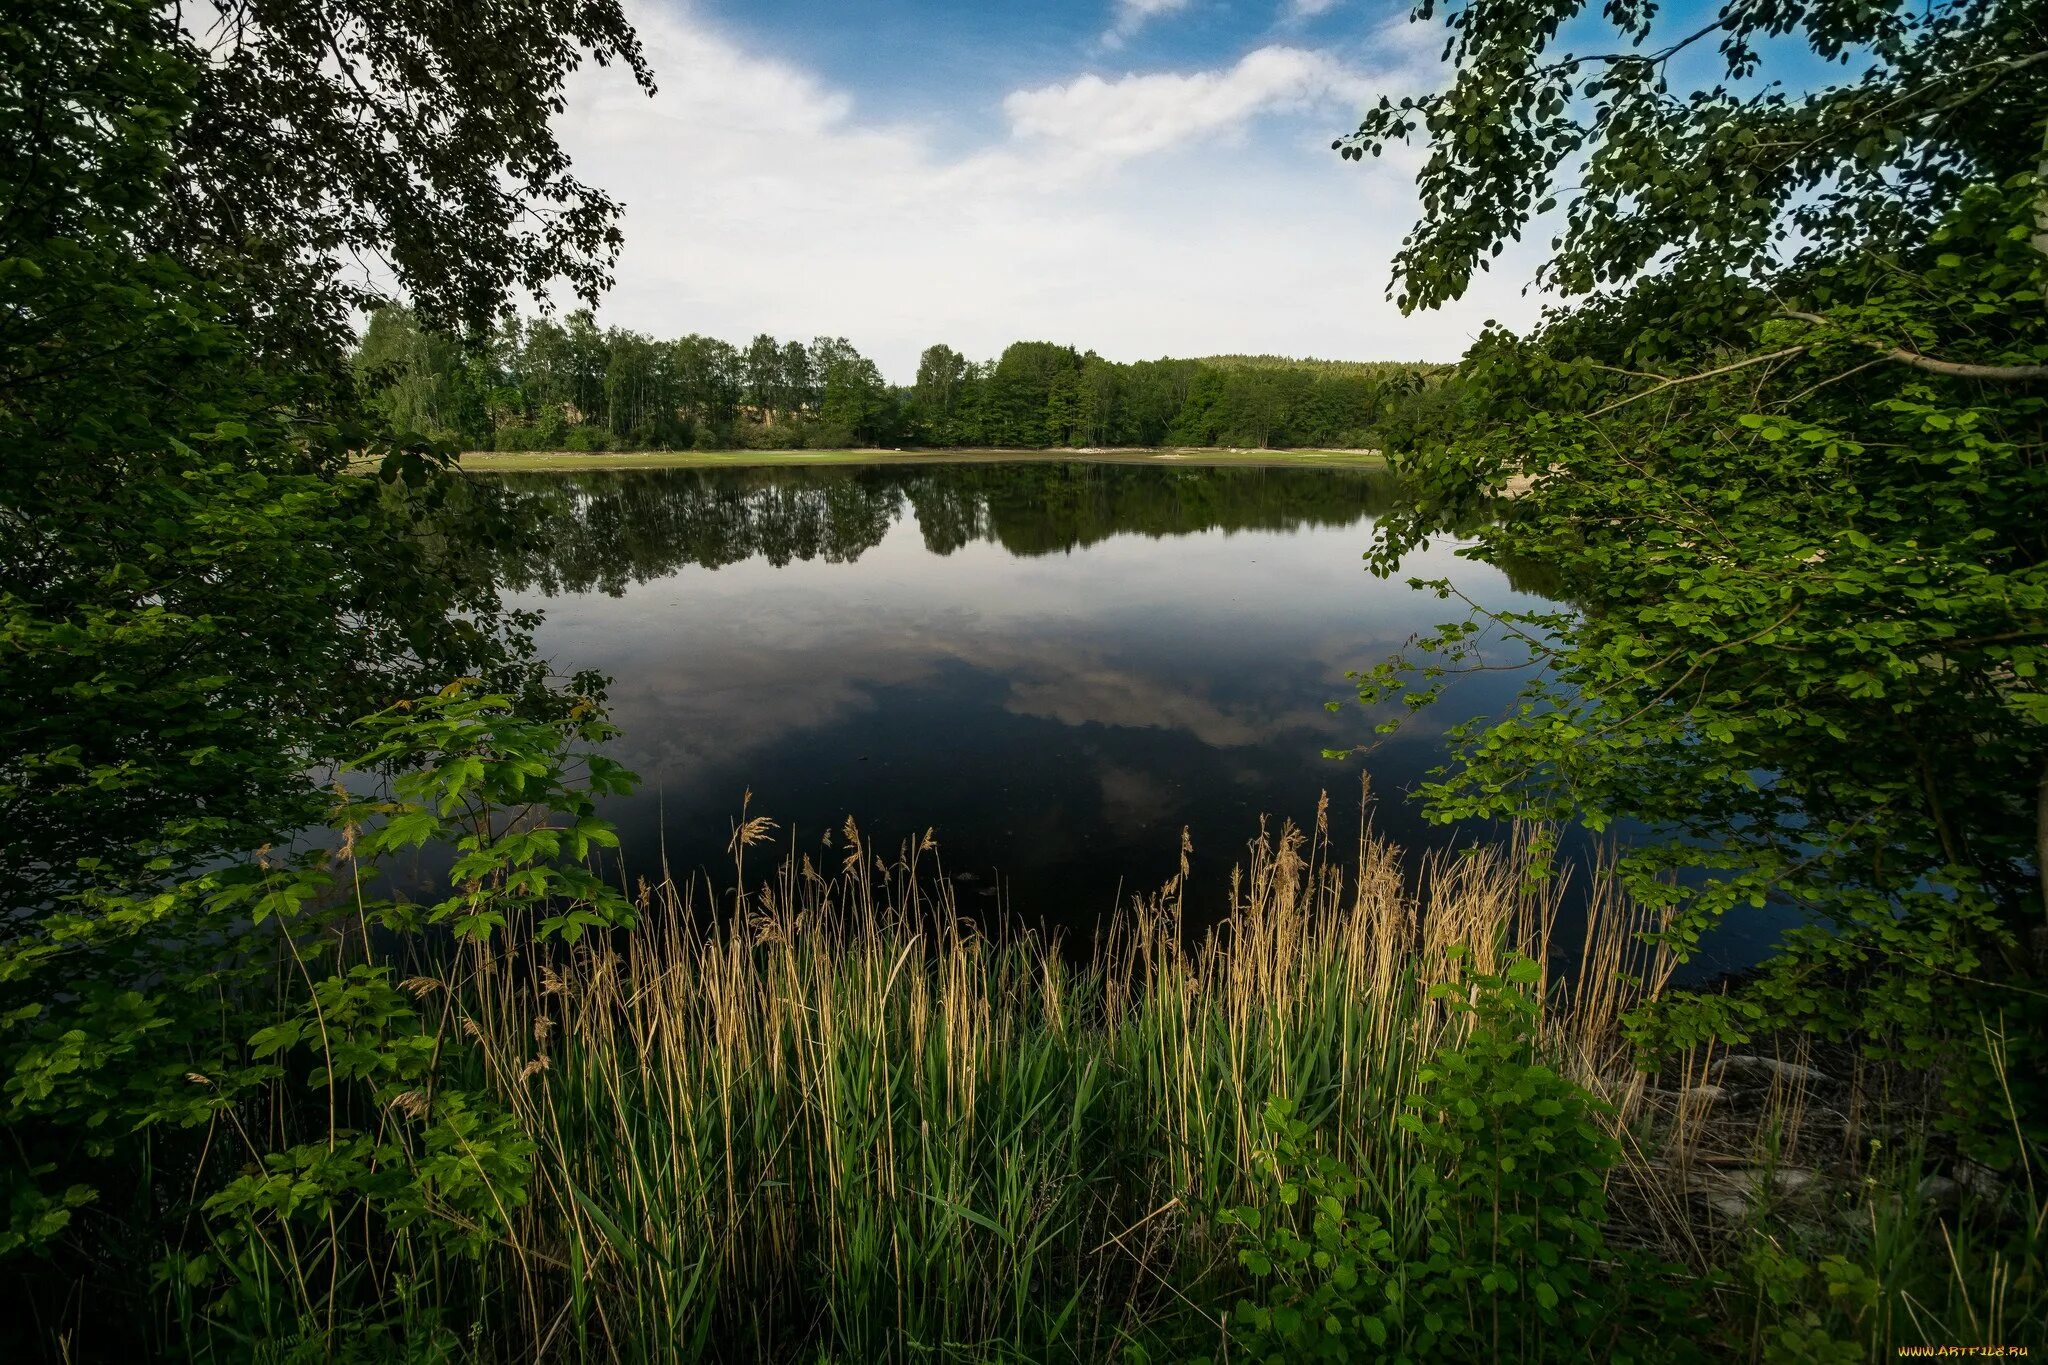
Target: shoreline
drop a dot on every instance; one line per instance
(562, 462)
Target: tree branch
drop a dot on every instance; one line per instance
(2040, 238)
(1954, 369)
(1745, 363)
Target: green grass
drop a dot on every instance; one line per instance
(844, 1125)
(558, 462)
(831, 1121)
(828, 1119)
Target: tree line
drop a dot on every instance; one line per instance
(568, 384)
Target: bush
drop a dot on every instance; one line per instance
(767, 436)
(354, 1128)
(587, 439)
(521, 437)
(825, 436)
(1485, 1250)
(547, 431)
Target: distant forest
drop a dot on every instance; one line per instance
(544, 384)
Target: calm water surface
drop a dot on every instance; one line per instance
(1055, 667)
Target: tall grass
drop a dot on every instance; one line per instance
(834, 1115)
(820, 1113)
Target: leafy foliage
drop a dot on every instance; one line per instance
(198, 595)
(1488, 1249)
(421, 135)
(193, 601)
(270, 1035)
(1788, 463)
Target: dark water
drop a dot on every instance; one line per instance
(1055, 667)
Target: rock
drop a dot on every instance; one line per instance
(1938, 1190)
(1783, 1180)
(1703, 1094)
(1737, 1191)
(1760, 1069)
(1790, 1179)
(1981, 1181)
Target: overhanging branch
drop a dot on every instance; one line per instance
(1744, 363)
(1954, 369)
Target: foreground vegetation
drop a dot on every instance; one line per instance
(818, 1113)
(1787, 448)
(1361, 1118)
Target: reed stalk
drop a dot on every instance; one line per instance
(831, 1108)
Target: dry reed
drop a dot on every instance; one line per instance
(831, 1108)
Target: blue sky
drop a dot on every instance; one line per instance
(951, 62)
(1140, 177)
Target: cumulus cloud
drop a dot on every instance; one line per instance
(817, 666)
(1189, 212)
(1134, 115)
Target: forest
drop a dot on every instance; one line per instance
(558, 384)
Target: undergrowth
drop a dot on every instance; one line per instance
(822, 1115)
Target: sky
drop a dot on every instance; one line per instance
(1136, 177)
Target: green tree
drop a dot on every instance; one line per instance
(640, 391)
(587, 351)
(197, 593)
(425, 382)
(1019, 389)
(314, 135)
(854, 407)
(709, 385)
(1785, 448)
(941, 374)
(767, 387)
(1063, 408)
(1155, 392)
(800, 381)
(1098, 401)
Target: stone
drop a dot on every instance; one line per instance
(1747, 1067)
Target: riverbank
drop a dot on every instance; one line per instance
(563, 462)
(830, 1118)
(812, 1110)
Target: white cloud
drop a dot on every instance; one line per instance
(1308, 9)
(1135, 115)
(1132, 15)
(1179, 213)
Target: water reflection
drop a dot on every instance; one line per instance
(1056, 666)
(602, 530)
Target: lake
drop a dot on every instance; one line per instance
(1054, 667)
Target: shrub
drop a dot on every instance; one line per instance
(327, 1137)
(548, 431)
(587, 438)
(827, 436)
(1485, 1249)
